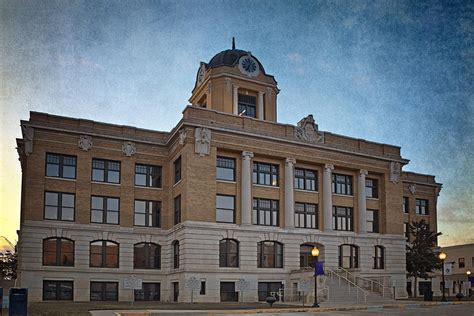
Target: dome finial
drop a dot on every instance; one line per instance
(233, 42)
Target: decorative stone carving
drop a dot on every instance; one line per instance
(28, 135)
(84, 142)
(329, 167)
(363, 172)
(21, 153)
(290, 162)
(202, 145)
(228, 84)
(129, 148)
(307, 130)
(182, 136)
(412, 188)
(395, 172)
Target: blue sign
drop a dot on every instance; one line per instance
(319, 268)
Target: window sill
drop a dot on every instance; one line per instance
(226, 181)
(176, 184)
(372, 198)
(145, 187)
(107, 183)
(58, 220)
(343, 195)
(266, 186)
(142, 226)
(422, 214)
(59, 178)
(306, 191)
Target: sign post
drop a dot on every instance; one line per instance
(132, 283)
(304, 286)
(193, 284)
(240, 286)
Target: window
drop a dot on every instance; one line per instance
(349, 256)
(341, 184)
(104, 291)
(229, 253)
(148, 176)
(306, 258)
(265, 174)
(147, 213)
(406, 204)
(265, 212)
(57, 290)
(177, 170)
(203, 288)
(342, 218)
(306, 215)
(247, 105)
(421, 207)
(104, 254)
(306, 180)
(371, 188)
(59, 206)
(104, 210)
(60, 166)
(379, 257)
(406, 231)
(146, 256)
(270, 254)
(105, 171)
(225, 169)
(175, 291)
(461, 263)
(58, 252)
(149, 292)
(175, 254)
(177, 209)
(266, 289)
(372, 221)
(225, 208)
(228, 293)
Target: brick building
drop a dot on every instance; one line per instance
(228, 195)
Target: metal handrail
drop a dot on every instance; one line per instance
(371, 282)
(332, 272)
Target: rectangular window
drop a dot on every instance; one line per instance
(247, 105)
(379, 257)
(58, 290)
(406, 231)
(225, 169)
(306, 215)
(266, 289)
(147, 213)
(265, 174)
(203, 288)
(372, 221)
(149, 292)
(177, 209)
(225, 208)
(175, 291)
(60, 166)
(371, 188)
(228, 293)
(306, 179)
(341, 184)
(421, 207)
(342, 218)
(104, 291)
(461, 263)
(59, 206)
(147, 176)
(177, 170)
(105, 210)
(105, 171)
(406, 208)
(265, 212)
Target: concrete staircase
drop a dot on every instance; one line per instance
(340, 291)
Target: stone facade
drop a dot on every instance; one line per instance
(212, 127)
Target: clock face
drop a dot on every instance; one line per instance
(249, 66)
(201, 73)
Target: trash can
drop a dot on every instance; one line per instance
(428, 295)
(1, 300)
(18, 302)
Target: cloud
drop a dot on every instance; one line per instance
(295, 57)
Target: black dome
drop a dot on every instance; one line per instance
(230, 58)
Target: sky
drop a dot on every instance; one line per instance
(396, 72)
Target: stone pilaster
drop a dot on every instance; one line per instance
(235, 100)
(289, 193)
(260, 106)
(362, 202)
(246, 188)
(327, 197)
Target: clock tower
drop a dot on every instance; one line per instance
(235, 82)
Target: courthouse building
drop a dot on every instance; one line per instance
(229, 202)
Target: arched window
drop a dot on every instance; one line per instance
(306, 258)
(104, 254)
(379, 257)
(269, 254)
(176, 254)
(58, 252)
(146, 256)
(229, 253)
(349, 256)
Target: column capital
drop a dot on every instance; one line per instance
(290, 162)
(363, 172)
(261, 93)
(235, 87)
(247, 154)
(328, 167)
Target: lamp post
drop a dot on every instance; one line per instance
(315, 254)
(468, 272)
(442, 256)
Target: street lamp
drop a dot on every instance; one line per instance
(315, 254)
(442, 256)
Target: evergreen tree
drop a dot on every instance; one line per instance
(422, 253)
(8, 265)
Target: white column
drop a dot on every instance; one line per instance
(362, 203)
(246, 188)
(327, 197)
(236, 100)
(289, 193)
(260, 106)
